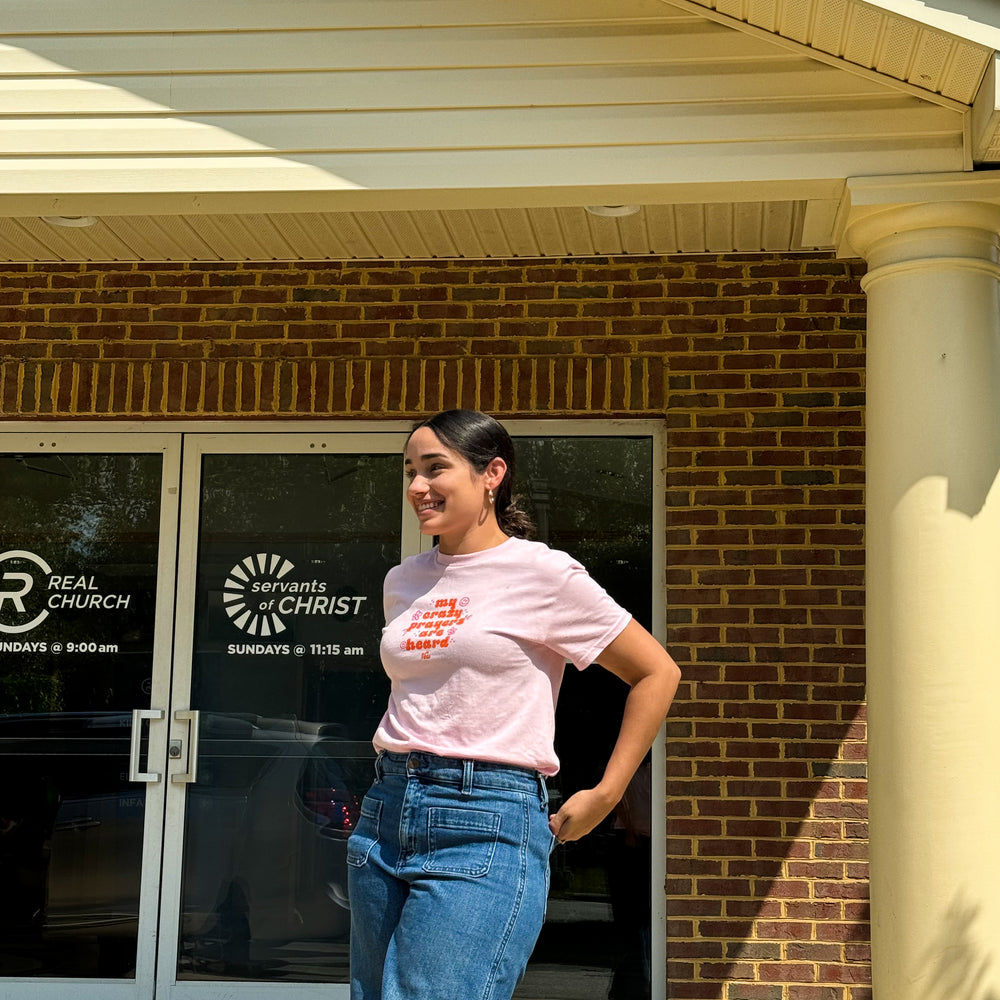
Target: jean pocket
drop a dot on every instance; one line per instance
(365, 835)
(461, 841)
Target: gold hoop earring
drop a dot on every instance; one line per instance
(493, 499)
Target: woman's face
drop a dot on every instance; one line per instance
(449, 497)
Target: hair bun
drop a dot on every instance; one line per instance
(514, 521)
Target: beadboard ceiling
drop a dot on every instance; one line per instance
(415, 129)
(460, 233)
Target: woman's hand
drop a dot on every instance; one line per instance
(580, 813)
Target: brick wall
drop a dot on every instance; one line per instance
(756, 364)
(291, 339)
(767, 873)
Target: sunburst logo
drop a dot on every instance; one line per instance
(245, 611)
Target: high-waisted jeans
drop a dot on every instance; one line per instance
(448, 871)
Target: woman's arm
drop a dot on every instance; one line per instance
(639, 660)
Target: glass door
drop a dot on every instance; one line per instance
(595, 497)
(278, 687)
(87, 552)
(189, 683)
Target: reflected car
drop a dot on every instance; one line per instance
(266, 831)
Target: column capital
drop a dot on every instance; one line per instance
(889, 219)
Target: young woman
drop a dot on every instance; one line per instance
(448, 865)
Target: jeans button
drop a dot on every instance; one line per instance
(412, 764)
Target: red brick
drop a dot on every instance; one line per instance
(765, 585)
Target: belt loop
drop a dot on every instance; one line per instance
(468, 769)
(378, 766)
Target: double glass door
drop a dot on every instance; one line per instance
(189, 681)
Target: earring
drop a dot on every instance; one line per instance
(493, 499)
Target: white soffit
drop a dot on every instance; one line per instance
(412, 129)
(420, 235)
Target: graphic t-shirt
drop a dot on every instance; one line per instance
(475, 646)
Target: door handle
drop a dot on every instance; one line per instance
(192, 718)
(135, 746)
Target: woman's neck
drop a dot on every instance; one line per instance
(481, 538)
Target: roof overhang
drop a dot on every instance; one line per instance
(248, 130)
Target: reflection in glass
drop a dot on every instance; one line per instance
(292, 550)
(592, 497)
(286, 674)
(78, 556)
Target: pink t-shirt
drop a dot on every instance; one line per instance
(475, 647)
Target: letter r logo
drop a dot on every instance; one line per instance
(16, 596)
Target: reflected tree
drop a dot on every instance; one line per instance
(93, 516)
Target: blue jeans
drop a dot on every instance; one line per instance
(448, 872)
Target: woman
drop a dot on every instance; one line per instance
(448, 866)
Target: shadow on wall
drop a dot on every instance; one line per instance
(767, 874)
(957, 967)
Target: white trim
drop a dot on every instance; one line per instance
(931, 263)
(44, 428)
(581, 426)
(985, 124)
(60, 989)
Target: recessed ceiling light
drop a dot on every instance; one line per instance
(70, 221)
(612, 211)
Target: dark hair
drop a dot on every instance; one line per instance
(478, 438)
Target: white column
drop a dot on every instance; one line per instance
(933, 617)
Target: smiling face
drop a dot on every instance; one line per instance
(450, 498)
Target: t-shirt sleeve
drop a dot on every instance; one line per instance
(583, 618)
(392, 600)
